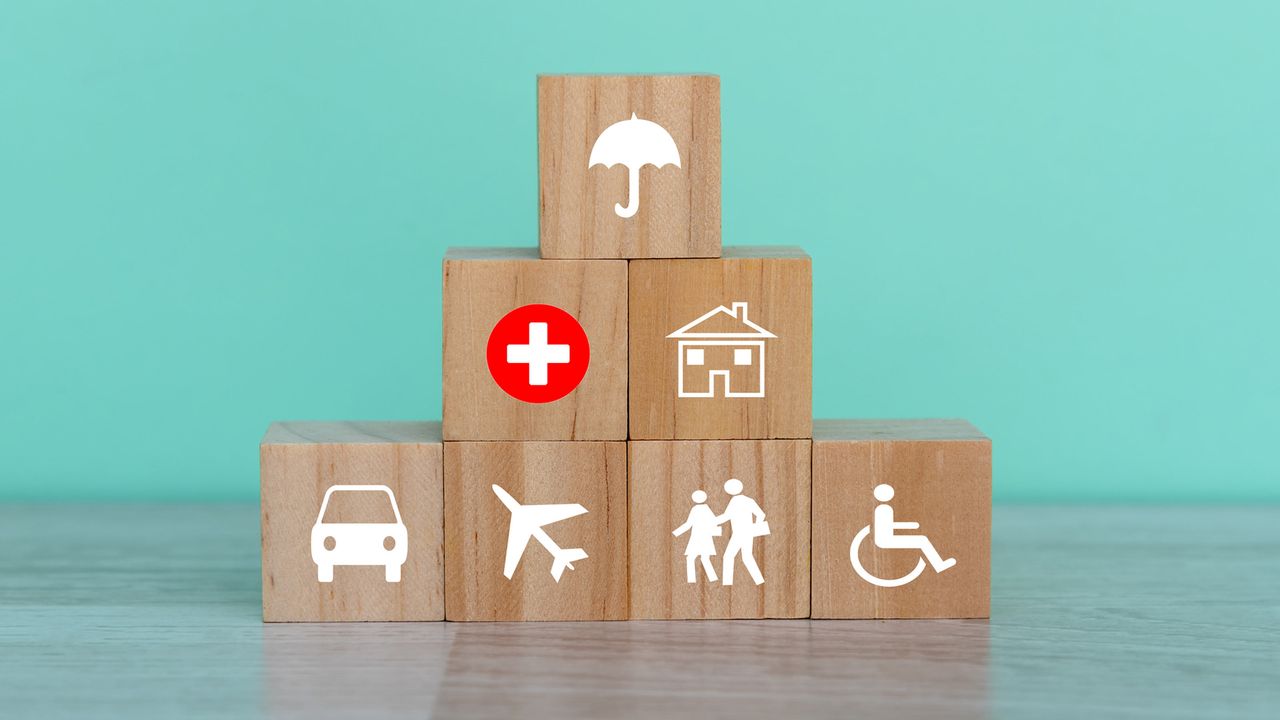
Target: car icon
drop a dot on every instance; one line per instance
(353, 529)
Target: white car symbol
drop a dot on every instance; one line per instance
(358, 543)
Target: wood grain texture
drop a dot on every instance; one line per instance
(592, 474)
(941, 475)
(665, 295)
(483, 285)
(154, 610)
(299, 462)
(679, 207)
(664, 474)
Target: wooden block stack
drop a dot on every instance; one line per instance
(628, 426)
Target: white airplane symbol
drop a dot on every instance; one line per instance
(527, 521)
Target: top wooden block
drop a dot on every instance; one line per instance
(629, 166)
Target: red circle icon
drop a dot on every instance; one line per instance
(538, 353)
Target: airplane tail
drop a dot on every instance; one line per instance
(566, 558)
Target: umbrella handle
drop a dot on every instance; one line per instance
(633, 194)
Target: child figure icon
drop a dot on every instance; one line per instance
(746, 523)
(884, 531)
(703, 527)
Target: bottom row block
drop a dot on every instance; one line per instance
(352, 522)
(506, 501)
(383, 521)
(741, 511)
(902, 519)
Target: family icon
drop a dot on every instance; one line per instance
(884, 533)
(746, 523)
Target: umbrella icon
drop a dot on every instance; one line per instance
(634, 143)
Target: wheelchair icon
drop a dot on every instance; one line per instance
(887, 537)
(878, 581)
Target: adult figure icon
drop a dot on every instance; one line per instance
(746, 523)
(702, 526)
(885, 531)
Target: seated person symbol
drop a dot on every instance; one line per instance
(885, 533)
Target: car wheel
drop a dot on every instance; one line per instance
(324, 573)
(393, 573)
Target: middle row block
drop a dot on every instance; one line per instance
(683, 349)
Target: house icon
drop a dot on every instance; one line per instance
(722, 343)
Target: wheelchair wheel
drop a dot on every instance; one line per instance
(879, 582)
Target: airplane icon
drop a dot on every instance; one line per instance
(527, 521)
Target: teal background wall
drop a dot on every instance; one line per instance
(1060, 220)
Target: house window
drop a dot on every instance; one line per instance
(742, 356)
(694, 357)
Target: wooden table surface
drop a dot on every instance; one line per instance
(139, 611)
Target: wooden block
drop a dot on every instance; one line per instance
(486, 286)
(940, 475)
(496, 496)
(721, 349)
(332, 495)
(774, 479)
(629, 166)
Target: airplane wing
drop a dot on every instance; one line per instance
(544, 515)
(517, 538)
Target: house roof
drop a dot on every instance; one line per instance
(737, 311)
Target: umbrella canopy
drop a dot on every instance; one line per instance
(634, 143)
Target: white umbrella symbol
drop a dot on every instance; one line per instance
(634, 143)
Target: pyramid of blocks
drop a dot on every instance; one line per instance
(627, 427)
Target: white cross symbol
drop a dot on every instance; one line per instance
(538, 354)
